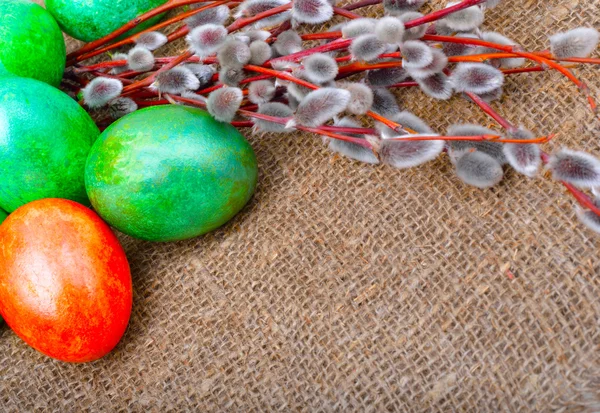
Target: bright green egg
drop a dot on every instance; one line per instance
(45, 137)
(169, 173)
(31, 43)
(90, 20)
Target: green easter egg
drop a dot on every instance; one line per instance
(169, 173)
(31, 43)
(45, 137)
(90, 20)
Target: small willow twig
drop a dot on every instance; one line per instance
(286, 76)
(170, 5)
(582, 198)
(491, 112)
(345, 43)
(131, 39)
(150, 79)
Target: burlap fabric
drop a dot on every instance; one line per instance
(348, 287)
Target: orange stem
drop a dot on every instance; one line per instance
(511, 49)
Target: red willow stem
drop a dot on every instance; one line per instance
(116, 63)
(242, 82)
(340, 11)
(338, 44)
(286, 25)
(524, 70)
(344, 129)
(492, 138)
(131, 39)
(403, 84)
(437, 15)
(238, 24)
(511, 49)
(351, 139)
(363, 3)
(491, 112)
(481, 57)
(125, 81)
(321, 130)
(581, 197)
(170, 5)
(322, 36)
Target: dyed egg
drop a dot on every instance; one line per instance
(169, 173)
(31, 43)
(65, 286)
(90, 20)
(45, 137)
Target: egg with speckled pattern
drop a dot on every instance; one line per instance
(65, 284)
(45, 138)
(31, 43)
(168, 173)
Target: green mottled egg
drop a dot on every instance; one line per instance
(169, 173)
(45, 137)
(31, 43)
(90, 20)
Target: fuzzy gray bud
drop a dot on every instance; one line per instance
(223, 103)
(464, 20)
(207, 39)
(366, 47)
(320, 68)
(576, 167)
(100, 91)
(321, 105)
(476, 77)
(494, 149)
(312, 11)
(478, 169)
(140, 59)
(437, 86)
(151, 40)
(277, 110)
(580, 42)
(361, 98)
(261, 91)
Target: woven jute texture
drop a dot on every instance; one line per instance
(347, 287)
